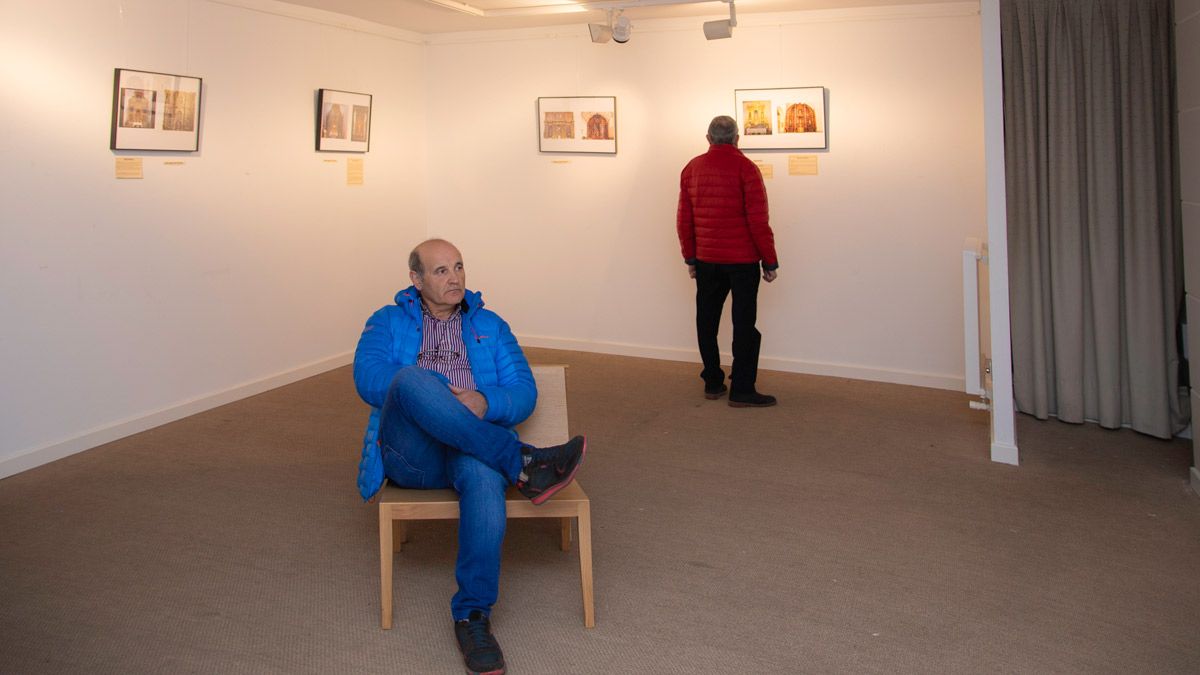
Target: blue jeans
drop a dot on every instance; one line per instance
(431, 440)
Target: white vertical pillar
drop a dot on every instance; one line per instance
(1004, 433)
(1187, 86)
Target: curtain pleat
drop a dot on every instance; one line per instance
(1095, 266)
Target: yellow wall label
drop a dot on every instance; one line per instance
(802, 165)
(129, 167)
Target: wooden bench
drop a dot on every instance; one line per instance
(546, 426)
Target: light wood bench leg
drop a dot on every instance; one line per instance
(566, 533)
(399, 534)
(585, 564)
(385, 569)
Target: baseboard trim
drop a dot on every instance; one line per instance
(1005, 453)
(33, 458)
(106, 434)
(849, 371)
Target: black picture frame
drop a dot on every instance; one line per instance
(343, 121)
(786, 118)
(155, 111)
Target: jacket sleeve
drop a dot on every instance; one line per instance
(374, 368)
(758, 215)
(684, 224)
(370, 467)
(513, 398)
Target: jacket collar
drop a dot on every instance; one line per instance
(410, 300)
(724, 148)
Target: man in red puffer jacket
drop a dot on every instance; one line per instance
(725, 235)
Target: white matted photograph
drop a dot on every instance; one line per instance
(781, 119)
(155, 111)
(585, 124)
(343, 121)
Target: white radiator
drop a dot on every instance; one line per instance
(976, 342)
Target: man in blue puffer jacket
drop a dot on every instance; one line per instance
(446, 382)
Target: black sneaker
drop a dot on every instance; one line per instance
(479, 648)
(552, 469)
(751, 400)
(713, 393)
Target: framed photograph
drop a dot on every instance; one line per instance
(155, 111)
(343, 121)
(577, 124)
(781, 119)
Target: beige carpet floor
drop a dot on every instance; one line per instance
(857, 527)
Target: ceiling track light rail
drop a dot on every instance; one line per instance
(618, 28)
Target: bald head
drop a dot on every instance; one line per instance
(415, 263)
(436, 269)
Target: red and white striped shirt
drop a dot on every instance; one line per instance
(442, 348)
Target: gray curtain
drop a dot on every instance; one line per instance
(1096, 273)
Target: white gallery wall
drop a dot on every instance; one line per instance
(126, 303)
(580, 251)
(251, 263)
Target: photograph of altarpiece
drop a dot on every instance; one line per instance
(578, 124)
(155, 111)
(781, 119)
(343, 121)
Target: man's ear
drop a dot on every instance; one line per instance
(416, 279)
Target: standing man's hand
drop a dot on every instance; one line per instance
(471, 398)
(692, 271)
(769, 275)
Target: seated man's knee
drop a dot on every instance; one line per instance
(411, 380)
(408, 376)
(472, 475)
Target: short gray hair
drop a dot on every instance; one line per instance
(414, 258)
(414, 262)
(722, 130)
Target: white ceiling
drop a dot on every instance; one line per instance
(423, 16)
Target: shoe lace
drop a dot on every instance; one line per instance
(480, 639)
(551, 456)
(541, 457)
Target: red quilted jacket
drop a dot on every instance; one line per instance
(722, 215)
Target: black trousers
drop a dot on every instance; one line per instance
(713, 284)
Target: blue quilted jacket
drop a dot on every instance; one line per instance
(390, 341)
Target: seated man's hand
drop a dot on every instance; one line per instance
(474, 400)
